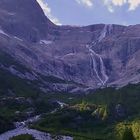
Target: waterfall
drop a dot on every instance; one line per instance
(95, 65)
(106, 31)
(101, 75)
(103, 33)
(103, 78)
(103, 71)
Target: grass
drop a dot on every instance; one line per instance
(100, 122)
(89, 127)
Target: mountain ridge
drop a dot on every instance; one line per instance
(94, 56)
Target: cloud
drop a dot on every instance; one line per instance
(133, 4)
(119, 2)
(47, 11)
(87, 3)
(111, 4)
(110, 8)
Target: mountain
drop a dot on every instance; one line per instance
(24, 19)
(66, 58)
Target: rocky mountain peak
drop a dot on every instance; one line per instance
(82, 58)
(24, 18)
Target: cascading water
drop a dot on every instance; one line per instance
(22, 128)
(101, 75)
(103, 33)
(106, 31)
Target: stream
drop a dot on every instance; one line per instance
(22, 128)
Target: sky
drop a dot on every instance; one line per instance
(87, 12)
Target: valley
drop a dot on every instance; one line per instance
(102, 115)
(64, 82)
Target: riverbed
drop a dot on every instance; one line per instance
(22, 128)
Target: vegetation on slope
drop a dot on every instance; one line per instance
(105, 114)
(23, 137)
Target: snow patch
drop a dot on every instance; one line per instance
(18, 38)
(2, 32)
(61, 104)
(11, 14)
(69, 54)
(46, 42)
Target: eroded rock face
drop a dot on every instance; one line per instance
(24, 19)
(91, 56)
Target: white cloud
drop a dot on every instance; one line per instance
(119, 2)
(47, 11)
(110, 8)
(88, 3)
(133, 4)
(111, 4)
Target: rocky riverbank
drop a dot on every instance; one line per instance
(22, 128)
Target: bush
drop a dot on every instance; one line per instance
(128, 134)
(23, 137)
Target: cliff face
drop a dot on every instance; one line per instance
(24, 18)
(84, 57)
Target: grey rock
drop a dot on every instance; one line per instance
(91, 57)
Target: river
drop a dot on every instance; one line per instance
(22, 128)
